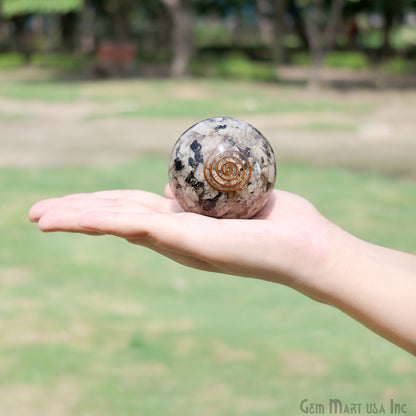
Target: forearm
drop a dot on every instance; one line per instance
(374, 285)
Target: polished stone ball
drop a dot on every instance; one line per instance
(223, 168)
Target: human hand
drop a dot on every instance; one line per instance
(288, 242)
(283, 243)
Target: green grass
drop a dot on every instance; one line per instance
(166, 99)
(6, 116)
(329, 126)
(97, 326)
(242, 105)
(177, 98)
(399, 66)
(11, 61)
(346, 60)
(40, 91)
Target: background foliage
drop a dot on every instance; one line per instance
(179, 37)
(16, 7)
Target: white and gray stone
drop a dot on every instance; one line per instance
(223, 168)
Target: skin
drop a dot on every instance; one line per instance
(289, 242)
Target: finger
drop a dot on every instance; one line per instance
(168, 192)
(133, 194)
(37, 210)
(149, 199)
(186, 234)
(177, 232)
(191, 239)
(71, 203)
(104, 199)
(123, 224)
(63, 220)
(68, 220)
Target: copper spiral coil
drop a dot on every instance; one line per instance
(227, 171)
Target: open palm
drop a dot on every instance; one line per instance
(282, 243)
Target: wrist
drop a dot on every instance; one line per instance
(336, 266)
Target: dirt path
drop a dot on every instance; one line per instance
(56, 134)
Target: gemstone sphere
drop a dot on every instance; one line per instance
(223, 168)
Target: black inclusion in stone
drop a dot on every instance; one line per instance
(196, 148)
(246, 152)
(220, 127)
(229, 141)
(192, 181)
(267, 149)
(178, 164)
(192, 163)
(209, 204)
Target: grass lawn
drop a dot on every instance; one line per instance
(95, 326)
(167, 98)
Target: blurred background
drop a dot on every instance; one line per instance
(93, 95)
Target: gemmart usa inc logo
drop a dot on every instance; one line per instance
(341, 408)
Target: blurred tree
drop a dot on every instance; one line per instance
(19, 12)
(166, 27)
(116, 13)
(390, 10)
(21, 37)
(174, 16)
(280, 9)
(182, 17)
(20, 7)
(322, 22)
(295, 11)
(223, 7)
(334, 21)
(68, 25)
(154, 30)
(241, 18)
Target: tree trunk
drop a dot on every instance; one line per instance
(182, 35)
(388, 24)
(4, 29)
(280, 7)
(332, 27)
(117, 12)
(312, 20)
(321, 39)
(22, 37)
(266, 28)
(120, 25)
(299, 24)
(86, 32)
(68, 31)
